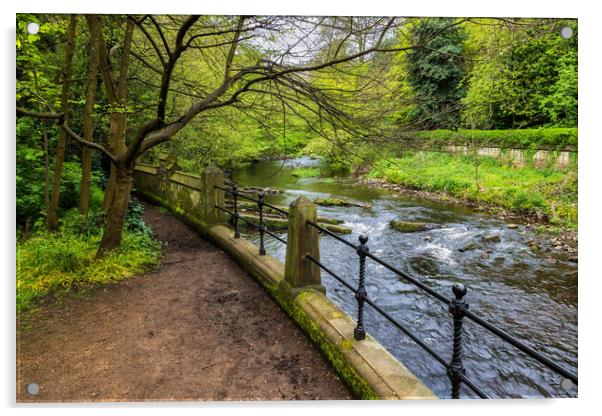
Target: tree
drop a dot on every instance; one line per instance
(163, 49)
(435, 73)
(52, 218)
(91, 82)
(524, 73)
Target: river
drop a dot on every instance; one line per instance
(532, 295)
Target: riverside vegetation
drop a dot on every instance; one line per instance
(374, 99)
(59, 263)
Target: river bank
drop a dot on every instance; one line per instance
(566, 239)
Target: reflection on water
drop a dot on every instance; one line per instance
(531, 295)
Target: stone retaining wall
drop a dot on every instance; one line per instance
(539, 158)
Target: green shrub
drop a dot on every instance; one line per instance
(56, 263)
(547, 138)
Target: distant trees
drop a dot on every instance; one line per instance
(435, 72)
(496, 73)
(524, 74)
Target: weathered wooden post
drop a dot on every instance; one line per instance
(299, 271)
(211, 177)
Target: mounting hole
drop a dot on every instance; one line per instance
(566, 384)
(33, 28)
(32, 389)
(566, 32)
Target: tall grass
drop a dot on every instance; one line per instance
(524, 190)
(57, 263)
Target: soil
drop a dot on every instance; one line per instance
(198, 328)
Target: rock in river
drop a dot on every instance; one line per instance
(337, 202)
(407, 227)
(492, 238)
(468, 247)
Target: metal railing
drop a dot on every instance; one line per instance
(457, 306)
(235, 215)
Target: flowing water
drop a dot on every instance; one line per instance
(533, 296)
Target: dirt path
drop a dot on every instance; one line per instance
(199, 328)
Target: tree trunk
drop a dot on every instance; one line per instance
(52, 219)
(117, 147)
(111, 237)
(118, 118)
(84, 196)
(45, 144)
(46, 168)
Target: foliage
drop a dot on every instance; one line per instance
(485, 73)
(306, 172)
(435, 72)
(549, 138)
(523, 190)
(57, 263)
(30, 174)
(523, 76)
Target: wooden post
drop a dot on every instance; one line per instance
(300, 272)
(210, 177)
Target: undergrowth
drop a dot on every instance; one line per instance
(58, 263)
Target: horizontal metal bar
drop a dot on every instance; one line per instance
(387, 265)
(239, 192)
(330, 233)
(408, 333)
(409, 278)
(225, 210)
(276, 209)
(277, 237)
(254, 225)
(474, 387)
(223, 189)
(330, 272)
(241, 195)
(249, 222)
(518, 344)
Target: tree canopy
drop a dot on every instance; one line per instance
(228, 89)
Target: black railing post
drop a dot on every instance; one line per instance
(360, 333)
(235, 215)
(456, 370)
(260, 203)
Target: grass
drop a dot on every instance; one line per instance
(524, 190)
(306, 172)
(59, 263)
